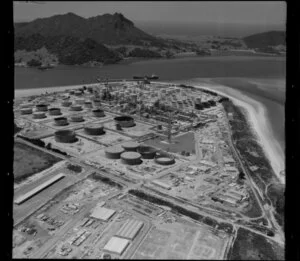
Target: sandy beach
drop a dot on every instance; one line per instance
(256, 113)
(258, 118)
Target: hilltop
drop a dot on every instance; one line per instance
(267, 39)
(110, 29)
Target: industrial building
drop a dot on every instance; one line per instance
(130, 146)
(38, 189)
(114, 152)
(116, 245)
(130, 229)
(94, 129)
(102, 213)
(125, 121)
(131, 158)
(65, 136)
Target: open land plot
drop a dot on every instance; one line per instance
(252, 246)
(29, 206)
(185, 142)
(33, 130)
(178, 240)
(62, 218)
(28, 161)
(140, 129)
(109, 138)
(80, 147)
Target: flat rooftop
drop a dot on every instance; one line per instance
(116, 245)
(103, 213)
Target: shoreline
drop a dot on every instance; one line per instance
(256, 115)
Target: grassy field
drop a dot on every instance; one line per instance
(251, 246)
(28, 161)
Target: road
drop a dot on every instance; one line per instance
(267, 213)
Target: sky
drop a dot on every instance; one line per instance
(252, 13)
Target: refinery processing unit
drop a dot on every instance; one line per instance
(142, 171)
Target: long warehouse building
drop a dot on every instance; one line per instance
(39, 188)
(130, 229)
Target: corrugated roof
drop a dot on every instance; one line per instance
(130, 229)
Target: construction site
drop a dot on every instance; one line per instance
(168, 140)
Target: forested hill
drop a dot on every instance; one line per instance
(110, 29)
(267, 39)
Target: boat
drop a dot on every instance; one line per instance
(153, 77)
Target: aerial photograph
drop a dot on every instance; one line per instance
(149, 130)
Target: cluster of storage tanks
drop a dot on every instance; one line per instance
(132, 153)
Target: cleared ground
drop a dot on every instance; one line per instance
(251, 246)
(181, 241)
(28, 161)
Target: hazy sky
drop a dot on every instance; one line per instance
(271, 12)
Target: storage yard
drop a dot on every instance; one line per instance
(166, 140)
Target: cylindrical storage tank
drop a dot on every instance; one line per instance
(77, 118)
(65, 136)
(75, 108)
(26, 111)
(98, 113)
(66, 103)
(147, 152)
(79, 101)
(125, 121)
(78, 93)
(131, 158)
(164, 160)
(41, 107)
(39, 115)
(61, 121)
(130, 146)
(54, 111)
(114, 152)
(94, 129)
(88, 104)
(97, 102)
(26, 105)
